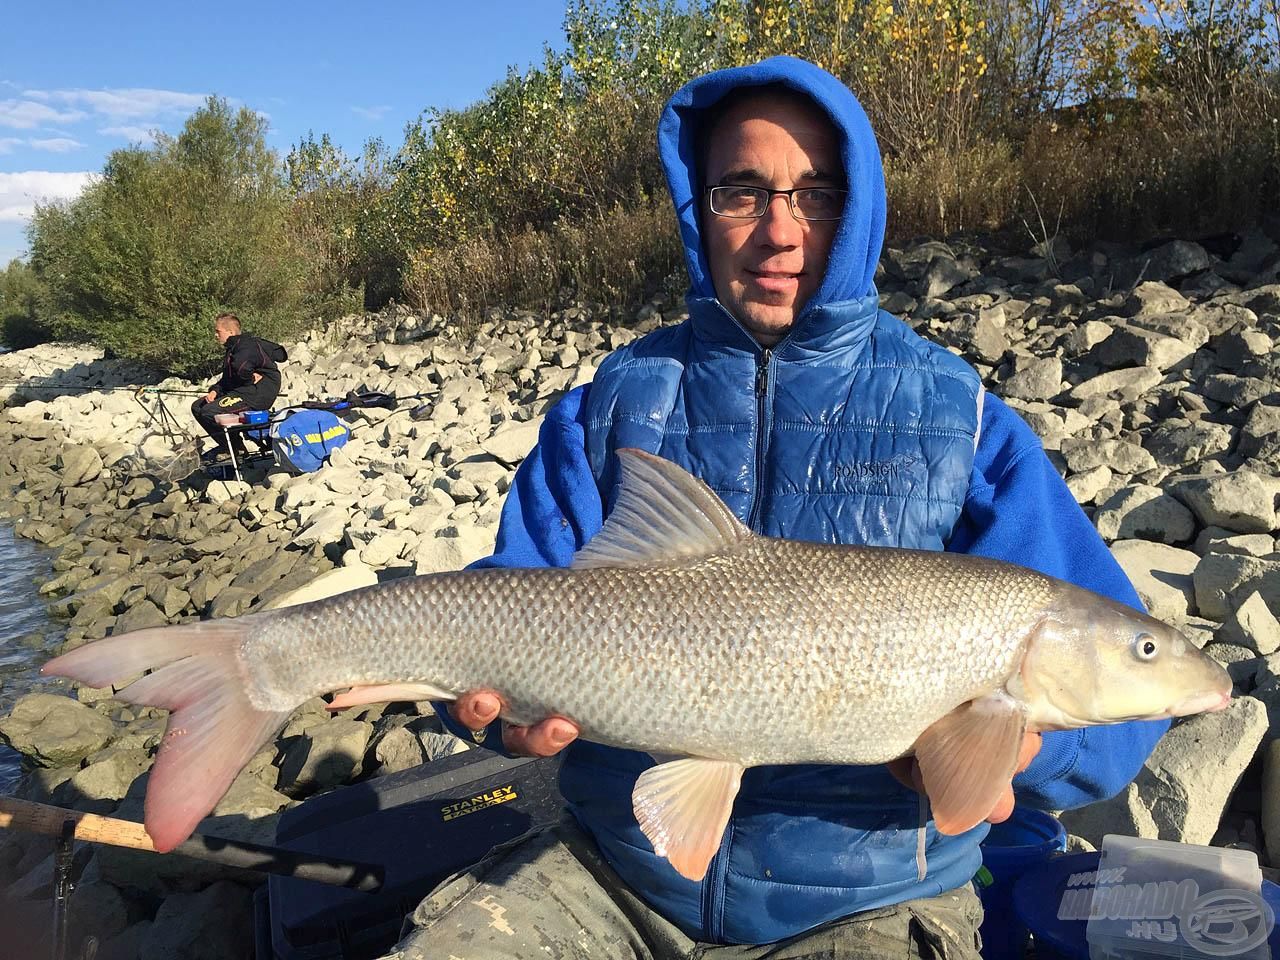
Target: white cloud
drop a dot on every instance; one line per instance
(56, 144)
(27, 114)
(8, 143)
(19, 192)
(133, 103)
(371, 113)
(132, 134)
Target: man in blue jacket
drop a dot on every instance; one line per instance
(817, 416)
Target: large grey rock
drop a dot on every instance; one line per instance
(327, 755)
(106, 779)
(1134, 346)
(1218, 540)
(251, 796)
(140, 616)
(1085, 337)
(223, 491)
(1262, 425)
(214, 924)
(1128, 384)
(327, 584)
(1177, 442)
(1153, 298)
(78, 464)
(1086, 486)
(325, 527)
(1237, 350)
(387, 547)
(1173, 260)
(1224, 581)
(262, 574)
(984, 336)
(1183, 788)
(1237, 392)
(1243, 501)
(1252, 625)
(231, 602)
(1144, 513)
(1120, 456)
(941, 275)
(1162, 576)
(52, 731)
(1039, 380)
(452, 549)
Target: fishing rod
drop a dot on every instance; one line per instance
(52, 821)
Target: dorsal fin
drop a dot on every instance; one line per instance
(663, 513)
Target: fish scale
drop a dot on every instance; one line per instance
(755, 674)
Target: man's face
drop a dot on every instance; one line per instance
(765, 270)
(222, 332)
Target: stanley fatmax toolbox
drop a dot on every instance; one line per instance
(421, 825)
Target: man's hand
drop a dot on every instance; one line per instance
(476, 709)
(211, 396)
(907, 772)
(257, 377)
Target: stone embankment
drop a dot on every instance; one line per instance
(1151, 376)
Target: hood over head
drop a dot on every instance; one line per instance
(856, 250)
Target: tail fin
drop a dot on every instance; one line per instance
(213, 731)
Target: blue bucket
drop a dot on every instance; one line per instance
(1036, 902)
(1039, 895)
(1025, 840)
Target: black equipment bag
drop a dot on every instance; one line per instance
(422, 825)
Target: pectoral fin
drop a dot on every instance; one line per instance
(389, 693)
(967, 759)
(683, 807)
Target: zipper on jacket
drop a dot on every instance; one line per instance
(713, 889)
(763, 428)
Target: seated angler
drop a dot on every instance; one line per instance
(250, 381)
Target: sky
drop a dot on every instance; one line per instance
(80, 79)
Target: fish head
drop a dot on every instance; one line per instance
(1093, 660)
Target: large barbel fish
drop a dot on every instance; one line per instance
(679, 632)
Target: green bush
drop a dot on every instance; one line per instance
(22, 306)
(169, 236)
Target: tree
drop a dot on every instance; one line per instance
(170, 235)
(22, 297)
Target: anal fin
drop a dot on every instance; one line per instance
(967, 760)
(683, 807)
(389, 693)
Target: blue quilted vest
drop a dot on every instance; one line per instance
(852, 430)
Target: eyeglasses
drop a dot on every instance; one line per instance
(750, 203)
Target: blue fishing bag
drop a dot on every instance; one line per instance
(302, 441)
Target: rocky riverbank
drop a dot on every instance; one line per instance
(1150, 375)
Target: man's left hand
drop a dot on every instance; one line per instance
(257, 378)
(907, 772)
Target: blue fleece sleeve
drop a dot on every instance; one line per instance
(551, 510)
(1020, 510)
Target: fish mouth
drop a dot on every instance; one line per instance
(1211, 702)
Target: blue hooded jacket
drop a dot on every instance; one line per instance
(854, 430)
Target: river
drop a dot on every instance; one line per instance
(27, 634)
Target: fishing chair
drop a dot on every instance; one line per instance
(254, 428)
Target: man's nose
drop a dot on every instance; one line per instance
(779, 228)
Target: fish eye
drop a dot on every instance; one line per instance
(1145, 646)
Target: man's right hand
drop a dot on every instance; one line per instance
(211, 396)
(476, 709)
